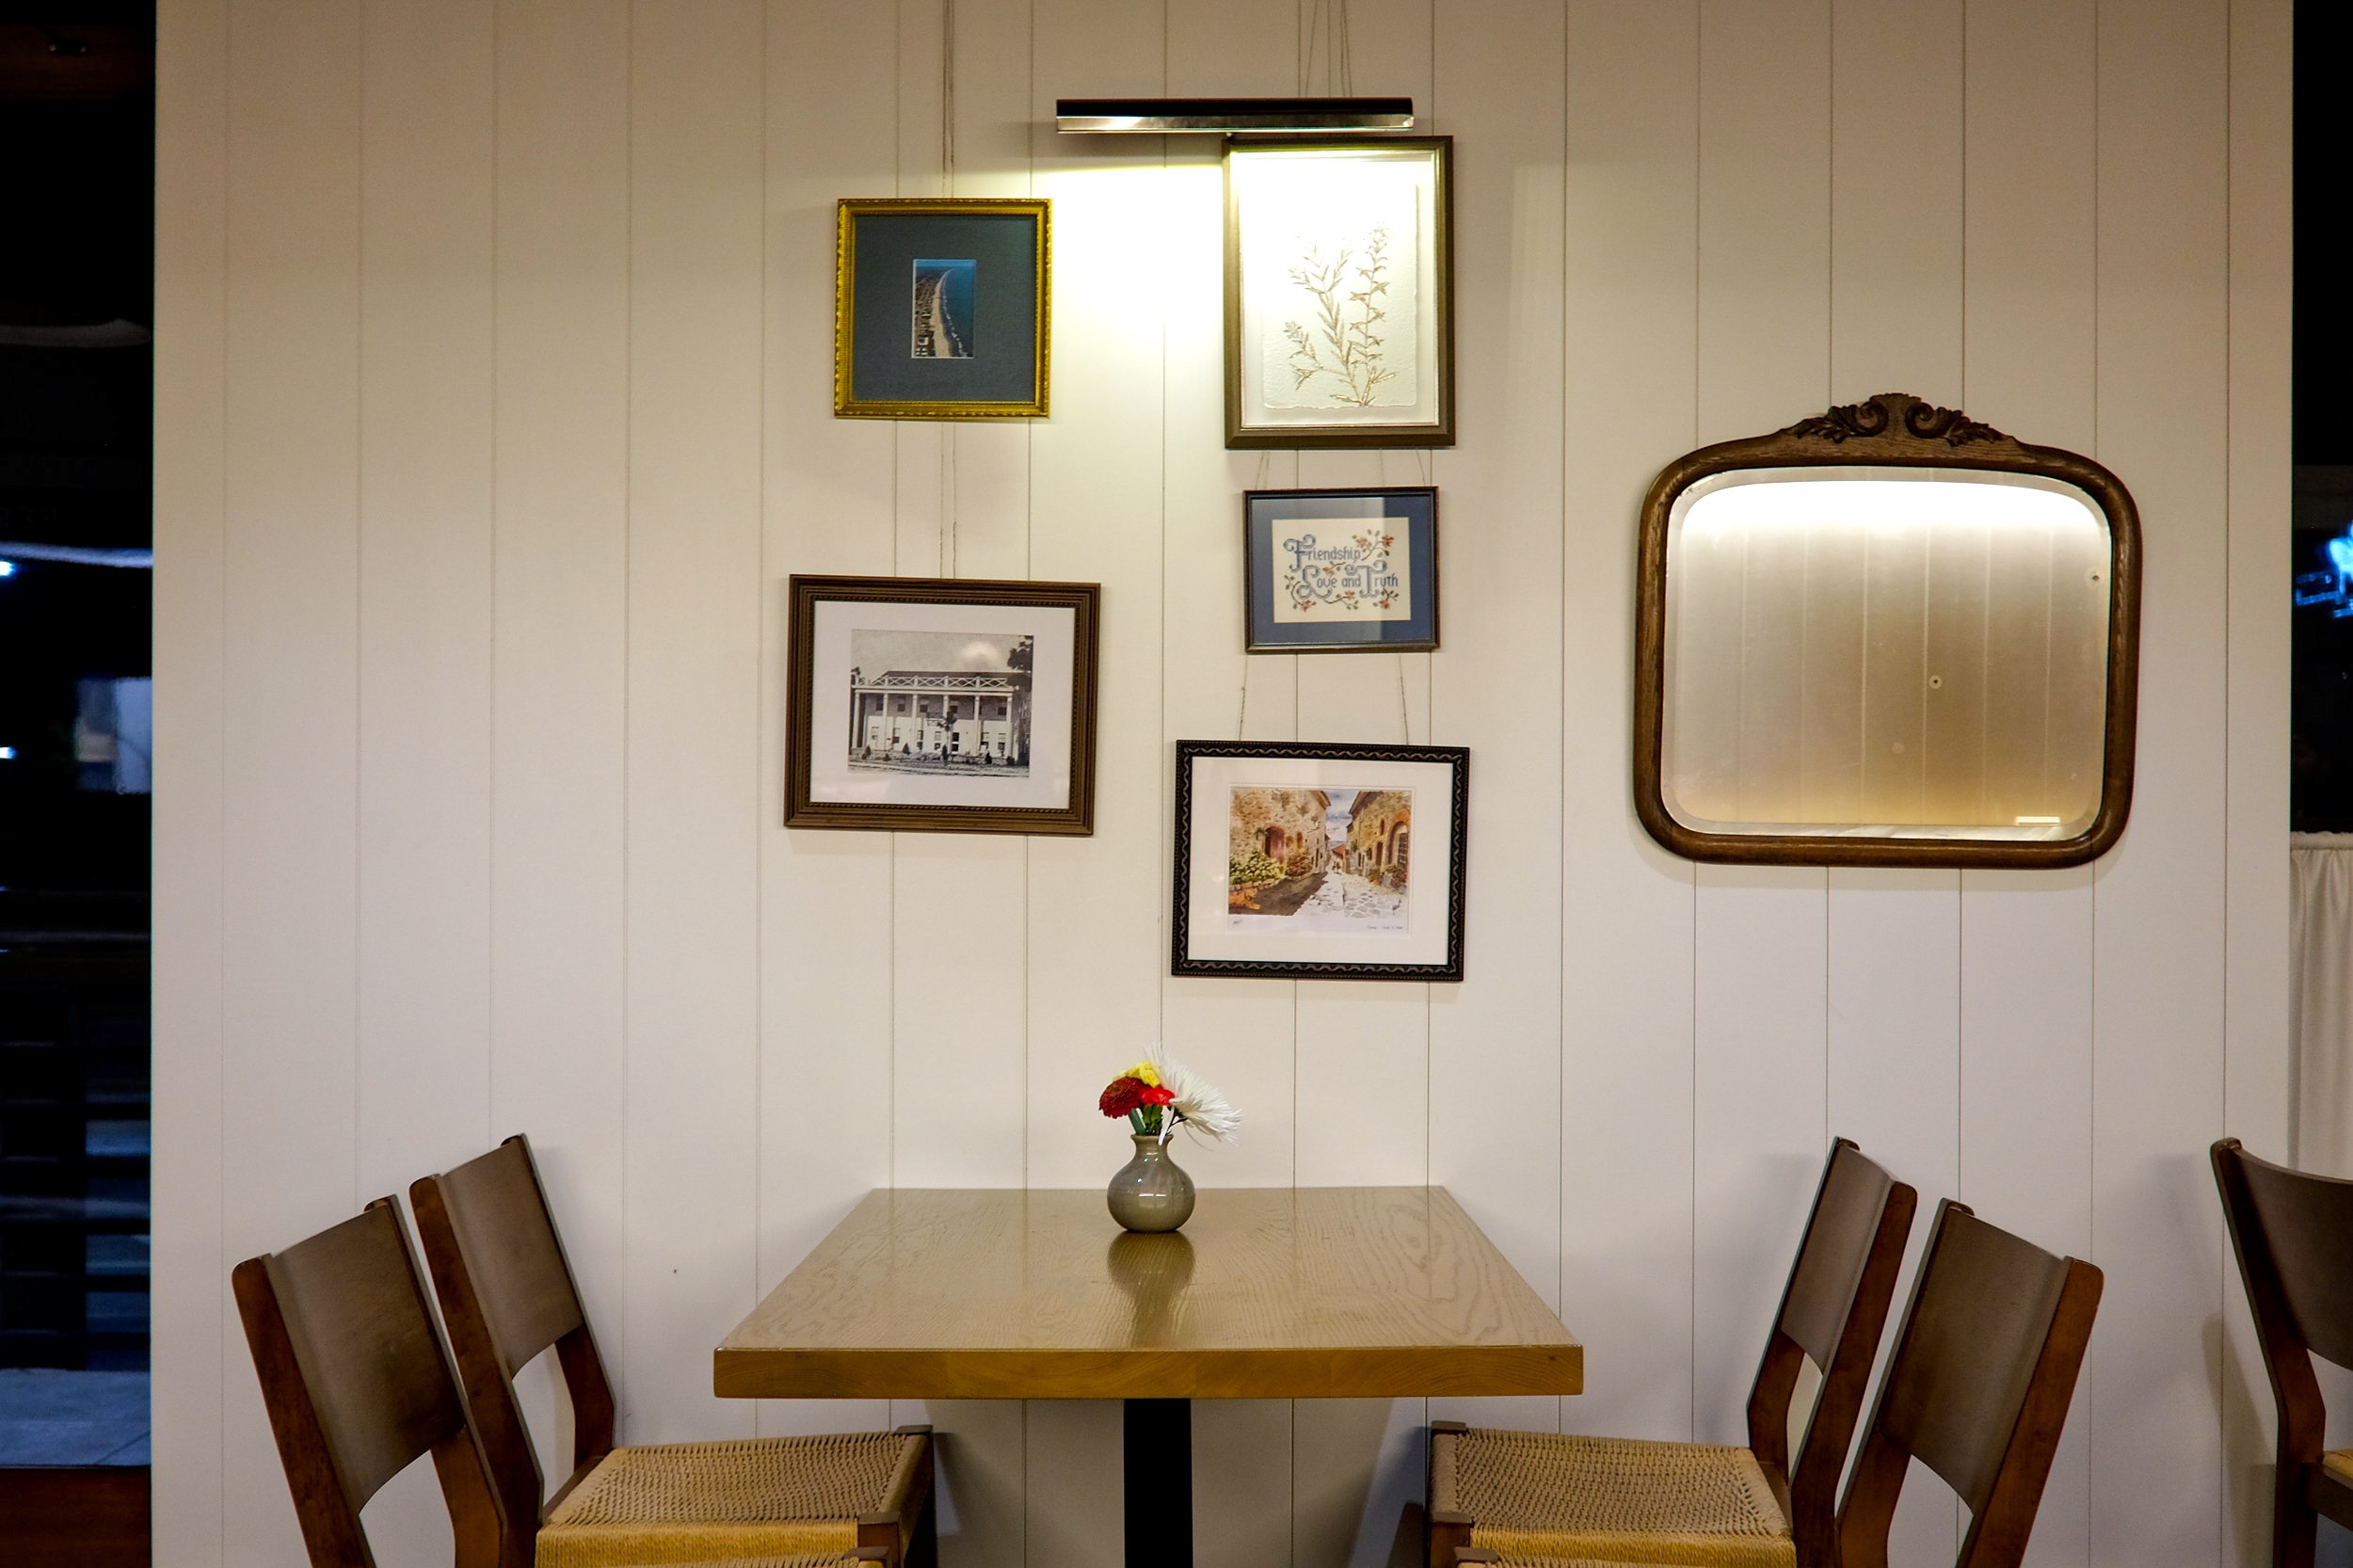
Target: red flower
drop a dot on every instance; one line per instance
(1155, 1094)
(1124, 1094)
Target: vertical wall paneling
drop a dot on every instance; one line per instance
(2255, 981)
(427, 346)
(289, 719)
(1759, 1012)
(1626, 1153)
(2158, 931)
(692, 809)
(825, 1068)
(2029, 265)
(494, 412)
(191, 1314)
(559, 658)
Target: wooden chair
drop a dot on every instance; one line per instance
(357, 1386)
(1977, 1390)
(1544, 1496)
(2294, 1235)
(507, 1294)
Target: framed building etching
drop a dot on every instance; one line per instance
(1339, 309)
(1302, 860)
(1340, 571)
(943, 705)
(942, 308)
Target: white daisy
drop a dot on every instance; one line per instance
(1198, 1105)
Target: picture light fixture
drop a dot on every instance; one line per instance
(1221, 115)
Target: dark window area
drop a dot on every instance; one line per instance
(2321, 793)
(76, 725)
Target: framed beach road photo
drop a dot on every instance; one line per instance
(1340, 571)
(941, 307)
(941, 705)
(1299, 860)
(1340, 299)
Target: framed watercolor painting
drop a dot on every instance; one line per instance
(942, 308)
(941, 705)
(1304, 861)
(1340, 571)
(1340, 299)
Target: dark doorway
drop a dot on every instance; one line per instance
(76, 390)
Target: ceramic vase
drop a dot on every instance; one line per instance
(1151, 1191)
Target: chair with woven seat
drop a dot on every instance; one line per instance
(1548, 1496)
(2290, 1230)
(1976, 1389)
(507, 1294)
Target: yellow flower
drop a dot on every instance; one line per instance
(1146, 1071)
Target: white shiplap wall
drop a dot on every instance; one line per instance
(495, 410)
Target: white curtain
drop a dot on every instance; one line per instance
(2322, 999)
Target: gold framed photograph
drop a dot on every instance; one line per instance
(942, 308)
(1339, 293)
(942, 705)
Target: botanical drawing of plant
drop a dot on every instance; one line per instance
(1343, 344)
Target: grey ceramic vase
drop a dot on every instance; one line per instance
(1151, 1191)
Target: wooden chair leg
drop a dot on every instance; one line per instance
(1449, 1530)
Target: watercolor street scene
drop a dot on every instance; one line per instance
(1319, 860)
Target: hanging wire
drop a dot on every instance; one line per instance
(1241, 720)
(1405, 712)
(947, 539)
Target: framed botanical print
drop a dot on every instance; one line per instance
(1339, 309)
(1302, 860)
(1340, 571)
(941, 704)
(942, 308)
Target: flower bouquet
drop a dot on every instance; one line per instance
(1158, 1096)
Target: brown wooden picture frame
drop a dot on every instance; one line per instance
(910, 758)
(1893, 430)
(1240, 432)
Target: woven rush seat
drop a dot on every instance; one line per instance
(2339, 1462)
(788, 1500)
(1549, 1499)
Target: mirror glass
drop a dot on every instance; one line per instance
(1886, 651)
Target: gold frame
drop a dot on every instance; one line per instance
(1440, 432)
(846, 214)
(1074, 816)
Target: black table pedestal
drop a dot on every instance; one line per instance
(1157, 1469)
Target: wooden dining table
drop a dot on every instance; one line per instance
(1311, 1292)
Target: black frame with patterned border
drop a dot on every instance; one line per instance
(1073, 809)
(869, 383)
(1263, 510)
(1185, 960)
(1242, 432)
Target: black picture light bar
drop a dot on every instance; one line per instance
(1166, 115)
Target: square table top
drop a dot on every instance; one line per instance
(1267, 1293)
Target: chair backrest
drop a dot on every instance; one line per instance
(507, 1294)
(1977, 1388)
(1832, 1310)
(357, 1386)
(2294, 1235)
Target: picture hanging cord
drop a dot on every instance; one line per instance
(948, 540)
(1330, 18)
(1241, 720)
(1405, 712)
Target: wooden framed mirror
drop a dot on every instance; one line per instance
(1887, 635)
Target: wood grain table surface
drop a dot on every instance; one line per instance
(1274, 1293)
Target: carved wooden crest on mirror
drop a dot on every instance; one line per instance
(1886, 635)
